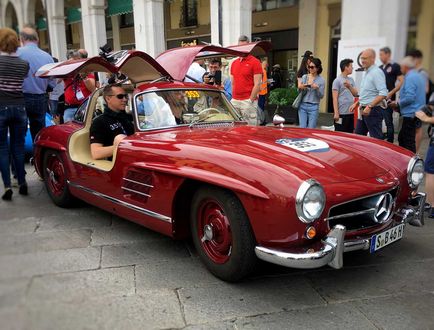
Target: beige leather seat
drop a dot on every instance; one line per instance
(79, 142)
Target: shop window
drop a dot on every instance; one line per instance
(261, 5)
(188, 13)
(127, 20)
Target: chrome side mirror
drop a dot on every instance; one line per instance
(278, 120)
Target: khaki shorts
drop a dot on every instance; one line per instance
(248, 110)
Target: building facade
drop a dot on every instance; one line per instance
(292, 26)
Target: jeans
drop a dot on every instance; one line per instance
(308, 114)
(388, 118)
(53, 107)
(13, 119)
(68, 114)
(407, 134)
(371, 123)
(36, 107)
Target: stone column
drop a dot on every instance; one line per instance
(56, 28)
(116, 32)
(93, 21)
(307, 18)
(149, 26)
(215, 21)
(236, 20)
(425, 35)
(364, 19)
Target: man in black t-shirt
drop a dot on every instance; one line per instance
(112, 126)
(394, 80)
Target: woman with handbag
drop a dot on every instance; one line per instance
(311, 88)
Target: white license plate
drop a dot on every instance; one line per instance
(387, 237)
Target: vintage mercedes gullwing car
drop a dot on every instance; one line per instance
(294, 197)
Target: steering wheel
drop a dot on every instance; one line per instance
(210, 110)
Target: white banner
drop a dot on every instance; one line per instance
(353, 49)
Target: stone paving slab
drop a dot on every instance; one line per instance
(404, 312)
(129, 233)
(173, 275)
(58, 261)
(143, 253)
(45, 241)
(13, 292)
(73, 221)
(81, 286)
(12, 318)
(225, 301)
(355, 283)
(155, 310)
(19, 225)
(327, 317)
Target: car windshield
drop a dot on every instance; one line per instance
(182, 106)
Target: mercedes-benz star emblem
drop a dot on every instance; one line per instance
(383, 208)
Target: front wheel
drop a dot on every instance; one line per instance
(222, 234)
(55, 178)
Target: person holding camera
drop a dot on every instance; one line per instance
(77, 89)
(214, 76)
(411, 99)
(314, 84)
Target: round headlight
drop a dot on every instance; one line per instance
(415, 172)
(310, 201)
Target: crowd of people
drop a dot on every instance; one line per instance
(384, 90)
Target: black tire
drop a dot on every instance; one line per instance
(55, 179)
(227, 263)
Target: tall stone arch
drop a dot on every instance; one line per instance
(11, 16)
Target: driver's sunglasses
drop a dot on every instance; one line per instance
(121, 96)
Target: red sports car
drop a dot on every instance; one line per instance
(294, 197)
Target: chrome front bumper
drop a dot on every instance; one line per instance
(334, 245)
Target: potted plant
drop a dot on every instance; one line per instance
(280, 102)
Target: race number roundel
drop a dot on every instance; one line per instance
(305, 144)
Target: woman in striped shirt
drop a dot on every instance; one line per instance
(13, 117)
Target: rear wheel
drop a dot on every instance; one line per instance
(55, 178)
(222, 234)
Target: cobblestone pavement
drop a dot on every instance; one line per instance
(84, 268)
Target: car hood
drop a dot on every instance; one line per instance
(329, 158)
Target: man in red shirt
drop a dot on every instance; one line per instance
(77, 90)
(246, 76)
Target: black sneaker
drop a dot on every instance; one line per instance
(427, 207)
(23, 189)
(7, 196)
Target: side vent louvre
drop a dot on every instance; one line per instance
(137, 185)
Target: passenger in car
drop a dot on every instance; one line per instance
(156, 111)
(176, 101)
(108, 129)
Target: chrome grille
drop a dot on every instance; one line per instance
(360, 213)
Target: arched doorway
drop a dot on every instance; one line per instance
(41, 24)
(73, 26)
(11, 19)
